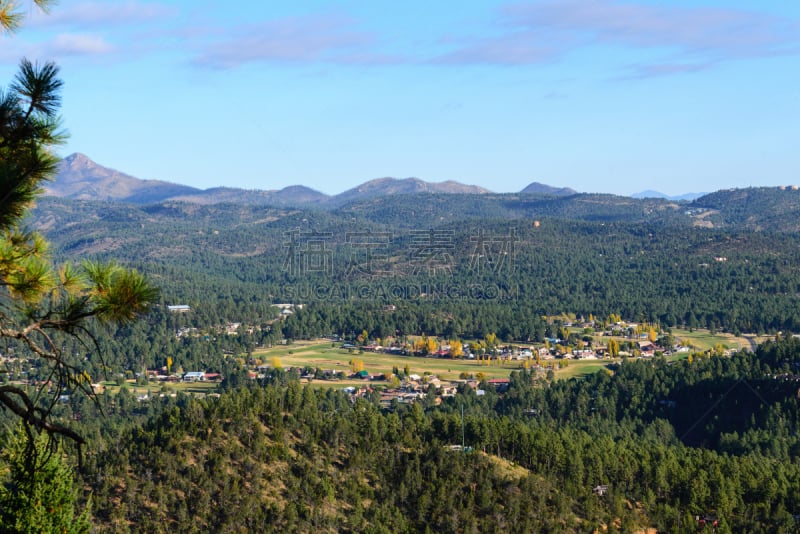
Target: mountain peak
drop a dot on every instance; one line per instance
(537, 188)
(78, 161)
(404, 186)
(79, 177)
(79, 158)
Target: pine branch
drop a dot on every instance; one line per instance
(27, 412)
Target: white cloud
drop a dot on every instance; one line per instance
(101, 14)
(67, 44)
(695, 38)
(302, 39)
(60, 46)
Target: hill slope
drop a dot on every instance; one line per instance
(536, 188)
(81, 178)
(754, 208)
(382, 187)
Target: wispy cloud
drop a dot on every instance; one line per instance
(102, 14)
(113, 30)
(60, 46)
(517, 48)
(693, 38)
(69, 44)
(302, 39)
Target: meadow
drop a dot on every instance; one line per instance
(330, 356)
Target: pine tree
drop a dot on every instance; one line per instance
(39, 301)
(11, 17)
(38, 493)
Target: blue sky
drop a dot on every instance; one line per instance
(611, 96)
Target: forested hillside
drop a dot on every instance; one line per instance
(755, 208)
(644, 443)
(533, 253)
(716, 437)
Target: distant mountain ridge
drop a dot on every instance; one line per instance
(80, 178)
(772, 209)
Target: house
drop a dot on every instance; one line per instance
(194, 376)
(154, 374)
(287, 307)
(232, 328)
(707, 520)
(500, 384)
(179, 308)
(600, 490)
(647, 347)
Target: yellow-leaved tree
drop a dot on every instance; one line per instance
(456, 348)
(652, 335)
(430, 345)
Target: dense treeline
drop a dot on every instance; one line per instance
(230, 262)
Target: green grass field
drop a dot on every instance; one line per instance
(323, 355)
(704, 340)
(577, 368)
